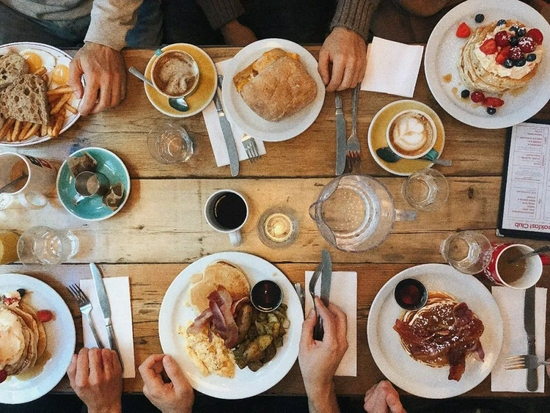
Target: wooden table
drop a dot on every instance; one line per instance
(161, 228)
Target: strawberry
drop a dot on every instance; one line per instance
(44, 316)
(477, 97)
(3, 375)
(463, 30)
(526, 44)
(502, 38)
(502, 55)
(489, 46)
(493, 102)
(536, 35)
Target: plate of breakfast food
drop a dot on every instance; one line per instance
(36, 103)
(486, 63)
(272, 90)
(443, 349)
(227, 348)
(38, 338)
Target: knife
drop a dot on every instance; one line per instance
(529, 323)
(227, 133)
(340, 135)
(326, 278)
(105, 306)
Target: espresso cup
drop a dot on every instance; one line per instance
(520, 274)
(411, 134)
(174, 73)
(88, 184)
(38, 179)
(226, 211)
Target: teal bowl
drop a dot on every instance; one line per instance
(93, 208)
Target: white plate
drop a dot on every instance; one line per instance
(175, 311)
(417, 378)
(442, 56)
(61, 58)
(246, 119)
(60, 332)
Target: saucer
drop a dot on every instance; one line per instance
(377, 136)
(203, 94)
(93, 208)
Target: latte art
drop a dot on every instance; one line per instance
(411, 134)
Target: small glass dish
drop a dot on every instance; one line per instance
(266, 296)
(411, 294)
(278, 227)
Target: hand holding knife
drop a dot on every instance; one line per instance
(326, 279)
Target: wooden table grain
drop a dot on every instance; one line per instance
(161, 229)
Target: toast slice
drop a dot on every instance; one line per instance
(26, 100)
(12, 66)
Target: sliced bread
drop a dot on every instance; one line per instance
(12, 66)
(25, 100)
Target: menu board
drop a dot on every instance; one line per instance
(525, 194)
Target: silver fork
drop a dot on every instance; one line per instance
(528, 361)
(85, 308)
(250, 147)
(312, 282)
(353, 147)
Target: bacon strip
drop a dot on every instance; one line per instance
(223, 321)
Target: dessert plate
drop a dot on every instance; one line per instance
(442, 57)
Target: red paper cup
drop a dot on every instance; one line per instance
(519, 275)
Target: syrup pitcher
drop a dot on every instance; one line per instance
(356, 213)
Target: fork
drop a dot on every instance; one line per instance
(250, 147)
(529, 361)
(85, 308)
(353, 147)
(318, 329)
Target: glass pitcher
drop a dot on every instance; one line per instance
(356, 213)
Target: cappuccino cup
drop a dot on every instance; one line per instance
(506, 269)
(411, 134)
(174, 73)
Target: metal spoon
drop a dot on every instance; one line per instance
(546, 248)
(388, 155)
(177, 103)
(12, 183)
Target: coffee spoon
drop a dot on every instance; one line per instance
(177, 103)
(546, 248)
(13, 182)
(388, 155)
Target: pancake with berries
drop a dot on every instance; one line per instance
(501, 56)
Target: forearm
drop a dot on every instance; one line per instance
(355, 15)
(115, 408)
(323, 400)
(221, 12)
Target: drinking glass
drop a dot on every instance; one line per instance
(467, 251)
(426, 190)
(170, 144)
(46, 246)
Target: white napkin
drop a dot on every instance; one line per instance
(118, 291)
(392, 67)
(215, 130)
(343, 293)
(510, 302)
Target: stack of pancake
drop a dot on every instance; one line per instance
(481, 72)
(22, 338)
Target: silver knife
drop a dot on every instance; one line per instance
(105, 306)
(529, 323)
(326, 279)
(227, 133)
(340, 135)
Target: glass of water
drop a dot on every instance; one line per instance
(467, 251)
(170, 144)
(46, 246)
(426, 190)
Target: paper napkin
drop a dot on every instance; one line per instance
(510, 303)
(343, 293)
(392, 67)
(118, 291)
(215, 133)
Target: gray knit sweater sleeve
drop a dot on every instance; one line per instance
(354, 15)
(221, 12)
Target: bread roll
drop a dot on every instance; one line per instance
(276, 85)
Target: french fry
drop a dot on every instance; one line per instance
(41, 71)
(6, 129)
(15, 131)
(26, 127)
(70, 108)
(59, 91)
(64, 99)
(32, 131)
(43, 130)
(58, 124)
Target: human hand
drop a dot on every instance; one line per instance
(236, 34)
(174, 397)
(105, 77)
(347, 51)
(320, 359)
(96, 377)
(383, 398)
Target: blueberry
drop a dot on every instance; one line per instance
(508, 63)
(491, 111)
(501, 22)
(531, 57)
(465, 93)
(520, 62)
(521, 32)
(479, 18)
(514, 29)
(22, 292)
(514, 41)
